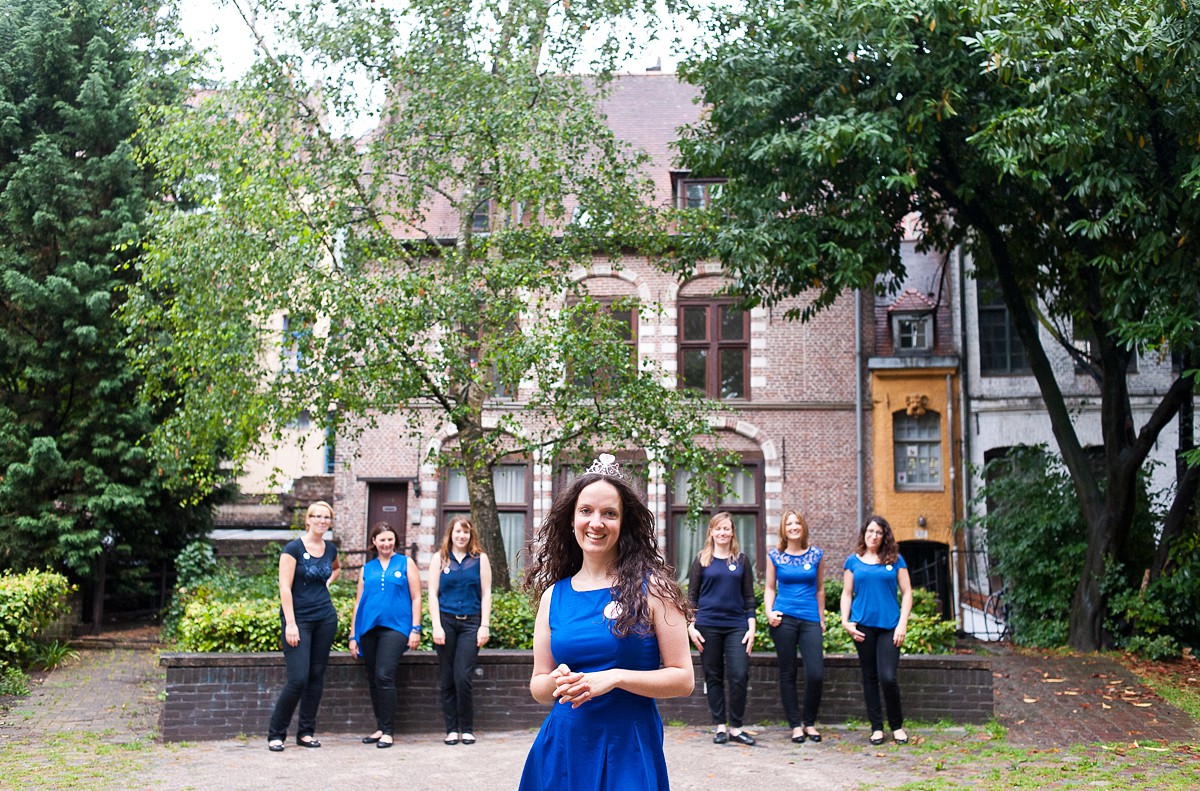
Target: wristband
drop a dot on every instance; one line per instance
(417, 629)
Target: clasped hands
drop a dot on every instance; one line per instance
(578, 688)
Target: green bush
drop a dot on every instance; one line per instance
(233, 624)
(927, 632)
(28, 603)
(13, 681)
(513, 615)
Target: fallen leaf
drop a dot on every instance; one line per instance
(1070, 692)
(1030, 700)
(1158, 749)
(1105, 705)
(1140, 705)
(1053, 680)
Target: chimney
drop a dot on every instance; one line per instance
(656, 67)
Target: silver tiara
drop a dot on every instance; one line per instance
(607, 465)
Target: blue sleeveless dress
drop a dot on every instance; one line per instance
(610, 743)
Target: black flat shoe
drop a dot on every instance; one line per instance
(901, 740)
(370, 739)
(800, 739)
(382, 745)
(275, 746)
(451, 738)
(743, 738)
(876, 740)
(815, 738)
(467, 738)
(310, 743)
(720, 737)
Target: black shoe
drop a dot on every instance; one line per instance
(800, 739)
(876, 740)
(310, 743)
(815, 738)
(743, 738)
(382, 745)
(900, 740)
(720, 737)
(275, 746)
(451, 738)
(370, 739)
(468, 738)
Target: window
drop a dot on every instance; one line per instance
(1000, 350)
(296, 331)
(513, 497)
(912, 333)
(714, 349)
(481, 216)
(917, 439)
(742, 499)
(698, 193)
(623, 311)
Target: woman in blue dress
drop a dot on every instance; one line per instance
(794, 599)
(307, 567)
(386, 623)
(460, 606)
(610, 637)
(877, 621)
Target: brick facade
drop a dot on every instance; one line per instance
(223, 696)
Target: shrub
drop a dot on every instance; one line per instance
(927, 632)
(13, 681)
(238, 624)
(28, 603)
(513, 615)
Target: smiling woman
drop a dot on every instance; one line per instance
(610, 637)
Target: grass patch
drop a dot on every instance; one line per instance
(75, 759)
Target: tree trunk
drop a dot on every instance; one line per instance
(482, 491)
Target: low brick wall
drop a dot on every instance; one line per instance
(220, 696)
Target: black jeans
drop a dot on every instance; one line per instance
(456, 666)
(724, 655)
(879, 659)
(790, 634)
(305, 678)
(381, 651)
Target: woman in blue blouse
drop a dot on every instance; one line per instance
(460, 606)
(307, 567)
(870, 613)
(721, 589)
(794, 600)
(387, 622)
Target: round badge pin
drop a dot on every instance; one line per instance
(307, 556)
(398, 574)
(888, 567)
(733, 567)
(808, 567)
(446, 570)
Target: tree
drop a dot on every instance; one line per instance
(76, 484)
(426, 269)
(1054, 141)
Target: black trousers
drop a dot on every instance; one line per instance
(790, 634)
(456, 671)
(305, 665)
(381, 651)
(879, 659)
(724, 657)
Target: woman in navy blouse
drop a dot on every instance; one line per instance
(794, 600)
(387, 622)
(460, 606)
(870, 613)
(721, 588)
(307, 567)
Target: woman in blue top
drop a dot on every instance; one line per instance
(387, 622)
(871, 614)
(723, 630)
(307, 567)
(460, 606)
(794, 600)
(610, 637)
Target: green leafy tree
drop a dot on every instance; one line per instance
(76, 485)
(427, 269)
(1055, 141)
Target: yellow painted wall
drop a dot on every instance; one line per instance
(892, 390)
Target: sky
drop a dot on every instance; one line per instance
(216, 24)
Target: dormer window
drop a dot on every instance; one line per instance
(695, 193)
(911, 318)
(912, 333)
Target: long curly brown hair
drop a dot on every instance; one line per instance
(640, 567)
(888, 551)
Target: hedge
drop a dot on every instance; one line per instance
(29, 602)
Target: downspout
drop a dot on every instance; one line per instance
(953, 502)
(858, 406)
(965, 423)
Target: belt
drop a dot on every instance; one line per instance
(462, 617)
